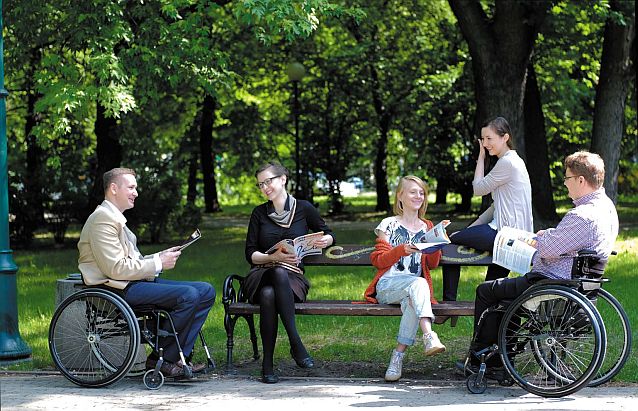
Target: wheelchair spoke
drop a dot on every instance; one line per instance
(550, 341)
(93, 338)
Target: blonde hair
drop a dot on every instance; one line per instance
(589, 165)
(113, 176)
(398, 207)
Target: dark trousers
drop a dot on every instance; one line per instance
(188, 303)
(480, 237)
(489, 294)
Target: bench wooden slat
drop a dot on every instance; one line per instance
(343, 256)
(358, 255)
(332, 307)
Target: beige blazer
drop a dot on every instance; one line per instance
(107, 255)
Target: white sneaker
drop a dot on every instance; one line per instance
(432, 344)
(393, 372)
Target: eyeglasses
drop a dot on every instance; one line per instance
(266, 183)
(568, 177)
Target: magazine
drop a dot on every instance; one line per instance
(301, 246)
(514, 249)
(190, 240)
(434, 239)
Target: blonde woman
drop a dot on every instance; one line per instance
(403, 272)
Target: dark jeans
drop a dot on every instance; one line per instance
(188, 302)
(480, 237)
(489, 294)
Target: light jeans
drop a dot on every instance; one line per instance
(413, 293)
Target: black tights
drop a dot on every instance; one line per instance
(276, 298)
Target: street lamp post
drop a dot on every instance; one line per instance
(12, 348)
(296, 71)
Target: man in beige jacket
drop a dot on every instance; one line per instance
(109, 256)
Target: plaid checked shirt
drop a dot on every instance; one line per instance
(592, 224)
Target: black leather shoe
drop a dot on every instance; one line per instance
(199, 367)
(168, 368)
(307, 362)
(269, 378)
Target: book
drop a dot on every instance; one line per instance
(301, 246)
(190, 240)
(514, 249)
(434, 239)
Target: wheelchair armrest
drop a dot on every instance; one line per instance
(555, 281)
(586, 252)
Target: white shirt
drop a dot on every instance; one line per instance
(131, 237)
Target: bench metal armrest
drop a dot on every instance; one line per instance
(231, 293)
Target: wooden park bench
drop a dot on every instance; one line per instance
(235, 305)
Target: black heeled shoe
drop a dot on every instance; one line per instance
(269, 378)
(307, 362)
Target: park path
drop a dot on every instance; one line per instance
(53, 392)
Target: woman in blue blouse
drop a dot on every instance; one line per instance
(276, 281)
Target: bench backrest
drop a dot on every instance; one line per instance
(359, 255)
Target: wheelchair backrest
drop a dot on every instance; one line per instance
(589, 269)
(588, 265)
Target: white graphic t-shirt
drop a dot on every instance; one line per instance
(398, 234)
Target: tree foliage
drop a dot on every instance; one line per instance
(194, 94)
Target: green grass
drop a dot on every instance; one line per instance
(368, 340)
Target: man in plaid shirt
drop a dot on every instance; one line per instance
(592, 224)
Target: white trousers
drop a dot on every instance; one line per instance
(413, 293)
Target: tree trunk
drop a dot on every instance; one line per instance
(501, 48)
(442, 188)
(109, 154)
(537, 159)
(381, 172)
(33, 184)
(206, 150)
(191, 193)
(384, 118)
(616, 74)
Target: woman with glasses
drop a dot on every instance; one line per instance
(276, 280)
(509, 184)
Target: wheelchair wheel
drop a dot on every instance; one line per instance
(552, 341)
(619, 337)
(93, 338)
(153, 383)
(474, 385)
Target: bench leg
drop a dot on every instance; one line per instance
(451, 276)
(229, 325)
(253, 335)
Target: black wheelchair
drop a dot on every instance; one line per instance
(558, 336)
(94, 337)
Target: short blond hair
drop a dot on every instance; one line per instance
(398, 207)
(114, 174)
(589, 165)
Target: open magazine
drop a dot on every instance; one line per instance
(190, 240)
(434, 239)
(514, 249)
(301, 246)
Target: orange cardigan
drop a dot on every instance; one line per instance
(385, 256)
